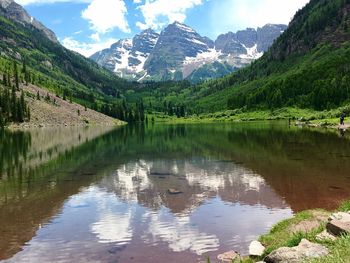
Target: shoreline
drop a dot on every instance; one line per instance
(29, 126)
(309, 228)
(298, 116)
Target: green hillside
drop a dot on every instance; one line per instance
(49, 65)
(307, 67)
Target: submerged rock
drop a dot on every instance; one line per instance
(256, 249)
(297, 254)
(228, 256)
(174, 191)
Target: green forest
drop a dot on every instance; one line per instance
(13, 107)
(308, 67)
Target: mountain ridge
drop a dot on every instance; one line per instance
(15, 12)
(179, 50)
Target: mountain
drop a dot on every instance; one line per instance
(308, 66)
(15, 12)
(30, 49)
(178, 51)
(127, 57)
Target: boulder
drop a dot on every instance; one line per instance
(228, 256)
(325, 236)
(340, 216)
(256, 249)
(304, 250)
(338, 227)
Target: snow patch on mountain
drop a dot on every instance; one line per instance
(252, 53)
(184, 27)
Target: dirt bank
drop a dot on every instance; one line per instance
(58, 112)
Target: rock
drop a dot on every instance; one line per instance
(339, 223)
(304, 250)
(256, 249)
(338, 227)
(228, 256)
(325, 236)
(340, 216)
(174, 191)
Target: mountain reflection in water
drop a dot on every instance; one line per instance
(96, 195)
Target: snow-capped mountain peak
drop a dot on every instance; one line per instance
(179, 50)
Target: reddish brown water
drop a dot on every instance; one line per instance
(94, 195)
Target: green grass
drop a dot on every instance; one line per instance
(281, 236)
(307, 116)
(345, 206)
(339, 252)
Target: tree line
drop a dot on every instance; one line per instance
(13, 108)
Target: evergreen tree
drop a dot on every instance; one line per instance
(28, 113)
(15, 74)
(13, 104)
(26, 73)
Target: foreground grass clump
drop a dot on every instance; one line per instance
(345, 206)
(286, 234)
(282, 235)
(339, 251)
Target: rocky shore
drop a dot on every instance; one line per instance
(310, 236)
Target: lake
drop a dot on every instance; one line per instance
(102, 194)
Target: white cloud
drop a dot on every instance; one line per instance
(86, 49)
(158, 13)
(137, 1)
(105, 15)
(96, 37)
(42, 2)
(239, 14)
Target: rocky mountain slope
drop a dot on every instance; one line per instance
(15, 12)
(178, 51)
(53, 111)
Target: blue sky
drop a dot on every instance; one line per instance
(87, 26)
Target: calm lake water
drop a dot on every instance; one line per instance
(101, 195)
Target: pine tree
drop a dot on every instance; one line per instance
(15, 74)
(19, 113)
(22, 102)
(28, 113)
(13, 104)
(26, 73)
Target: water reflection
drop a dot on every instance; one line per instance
(95, 195)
